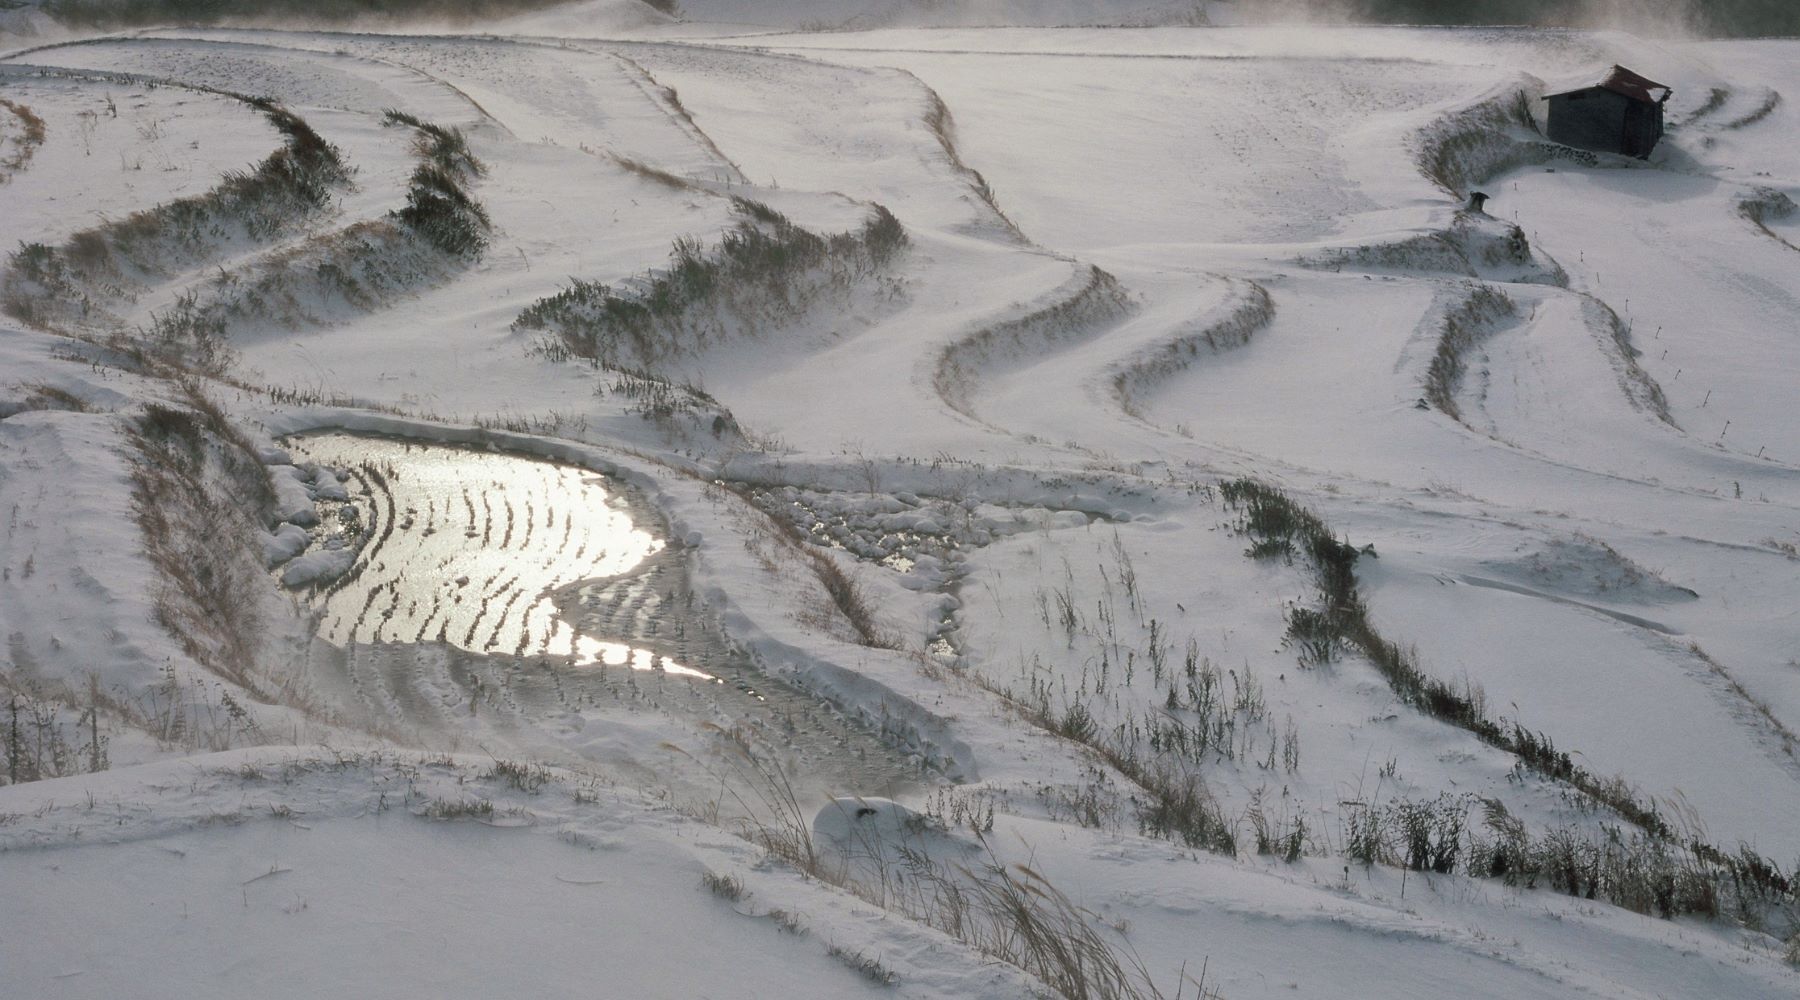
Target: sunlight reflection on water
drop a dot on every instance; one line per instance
(468, 547)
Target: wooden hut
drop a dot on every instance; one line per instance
(1623, 113)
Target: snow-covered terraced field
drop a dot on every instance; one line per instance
(1123, 447)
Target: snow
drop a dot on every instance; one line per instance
(543, 650)
(319, 566)
(284, 543)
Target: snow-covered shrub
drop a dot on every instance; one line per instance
(70, 285)
(438, 206)
(764, 271)
(360, 267)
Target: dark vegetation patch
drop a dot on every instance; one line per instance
(359, 267)
(199, 494)
(25, 144)
(438, 207)
(764, 272)
(1644, 873)
(1765, 205)
(1714, 17)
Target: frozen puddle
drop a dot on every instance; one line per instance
(472, 549)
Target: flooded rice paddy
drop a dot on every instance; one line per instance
(473, 549)
(516, 600)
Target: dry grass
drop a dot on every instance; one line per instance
(1764, 205)
(1715, 99)
(1472, 320)
(359, 267)
(764, 273)
(1249, 310)
(850, 598)
(1009, 912)
(1757, 706)
(25, 144)
(1279, 527)
(1468, 146)
(1640, 388)
(439, 208)
(870, 967)
(727, 887)
(942, 126)
(654, 174)
(49, 733)
(1012, 913)
(199, 494)
(1650, 875)
(1762, 111)
(672, 101)
(74, 285)
(44, 396)
(845, 592)
(1163, 758)
(1098, 299)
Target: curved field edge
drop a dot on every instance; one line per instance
(75, 286)
(1668, 869)
(1088, 301)
(1224, 328)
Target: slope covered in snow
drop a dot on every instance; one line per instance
(1119, 450)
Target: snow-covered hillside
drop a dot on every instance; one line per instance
(838, 15)
(923, 507)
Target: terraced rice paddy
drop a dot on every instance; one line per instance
(513, 591)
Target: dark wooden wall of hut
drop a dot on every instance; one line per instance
(1605, 122)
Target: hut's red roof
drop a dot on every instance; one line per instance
(1620, 80)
